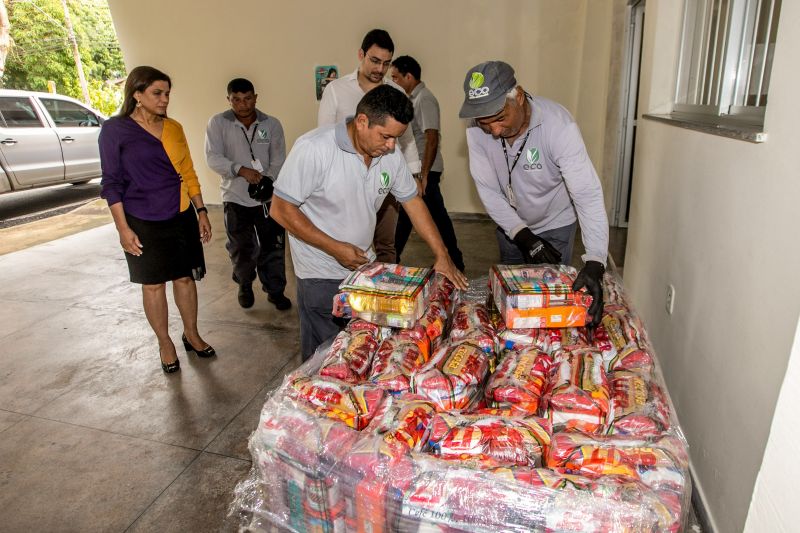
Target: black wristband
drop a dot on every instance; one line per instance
(203, 209)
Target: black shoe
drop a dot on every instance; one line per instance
(208, 351)
(246, 296)
(169, 368)
(281, 302)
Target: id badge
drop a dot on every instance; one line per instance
(257, 165)
(512, 200)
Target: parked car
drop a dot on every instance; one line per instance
(46, 139)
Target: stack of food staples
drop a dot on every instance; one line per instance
(457, 420)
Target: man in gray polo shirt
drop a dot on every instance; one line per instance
(327, 196)
(534, 176)
(246, 147)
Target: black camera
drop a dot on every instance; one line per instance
(261, 191)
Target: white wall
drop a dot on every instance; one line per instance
(718, 219)
(774, 504)
(557, 48)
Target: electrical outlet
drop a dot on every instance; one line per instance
(670, 304)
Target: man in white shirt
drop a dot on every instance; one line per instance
(327, 196)
(339, 101)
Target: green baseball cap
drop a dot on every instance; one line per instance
(485, 89)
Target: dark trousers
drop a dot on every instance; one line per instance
(314, 304)
(562, 239)
(256, 245)
(433, 199)
(385, 226)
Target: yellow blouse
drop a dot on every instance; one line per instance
(177, 149)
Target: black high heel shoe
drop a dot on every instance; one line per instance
(208, 351)
(169, 368)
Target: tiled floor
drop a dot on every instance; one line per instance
(93, 435)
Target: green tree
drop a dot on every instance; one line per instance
(40, 49)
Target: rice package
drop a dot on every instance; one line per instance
(453, 377)
(520, 379)
(489, 441)
(580, 395)
(538, 296)
(471, 322)
(387, 294)
(354, 405)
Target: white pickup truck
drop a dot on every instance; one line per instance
(46, 139)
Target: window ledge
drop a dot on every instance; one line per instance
(742, 132)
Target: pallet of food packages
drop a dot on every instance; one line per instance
(458, 423)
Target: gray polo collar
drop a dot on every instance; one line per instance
(415, 91)
(536, 114)
(260, 117)
(343, 140)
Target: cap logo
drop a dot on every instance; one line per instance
(476, 81)
(477, 88)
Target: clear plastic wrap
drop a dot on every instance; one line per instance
(439, 443)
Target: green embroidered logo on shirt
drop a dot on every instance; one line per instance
(385, 179)
(533, 155)
(262, 134)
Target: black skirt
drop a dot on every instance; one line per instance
(171, 249)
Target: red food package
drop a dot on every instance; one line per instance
(660, 463)
(561, 338)
(453, 376)
(635, 360)
(489, 441)
(354, 405)
(406, 423)
(434, 322)
(397, 358)
(639, 406)
(520, 379)
(469, 317)
(350, 356)
(580, 396)
(623, 329)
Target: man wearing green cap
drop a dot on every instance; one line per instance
(534, 176)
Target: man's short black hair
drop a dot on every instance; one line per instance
(240, 85)
(377, 37)
(386, 101)
(408, 65)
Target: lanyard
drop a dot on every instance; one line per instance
(516, 157)
(253, 136)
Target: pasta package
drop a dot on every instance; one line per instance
(489, 441)
(354, 405)
(387, 294)
(453, 377)
(580, 395)
(520, 379)
(538, 296)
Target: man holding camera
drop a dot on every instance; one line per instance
(246, 147)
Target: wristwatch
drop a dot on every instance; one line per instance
(417, 176)
(203, 209)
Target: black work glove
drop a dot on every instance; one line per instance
(535, 249)
(591, 277)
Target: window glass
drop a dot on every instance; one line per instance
(18, 112)
(69, 114)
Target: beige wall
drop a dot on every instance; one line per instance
(556, 46)
(717, 218)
